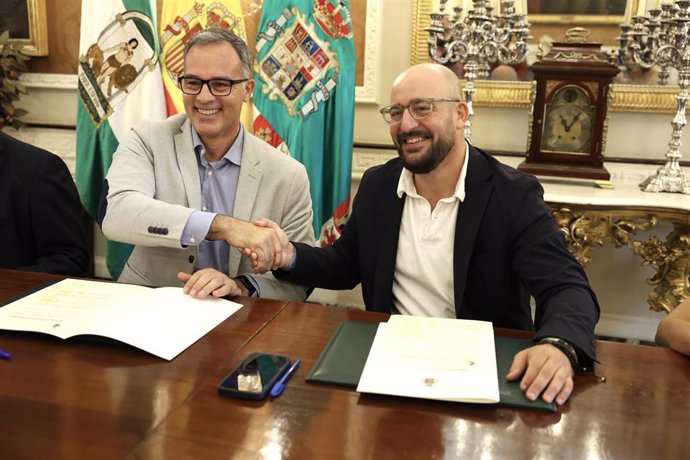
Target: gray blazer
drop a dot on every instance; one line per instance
(154, 187)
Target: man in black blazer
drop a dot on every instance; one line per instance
(446, 230)
(41, 226)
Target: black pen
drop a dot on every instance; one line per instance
(4, 354)
(278, 388)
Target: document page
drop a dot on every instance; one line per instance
(161, 321)
(433, 358)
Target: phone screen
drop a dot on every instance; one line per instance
(255, 375)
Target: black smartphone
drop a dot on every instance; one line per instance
(254, 377)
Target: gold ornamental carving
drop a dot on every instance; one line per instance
(670, 259)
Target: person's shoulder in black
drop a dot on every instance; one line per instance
(41, 216)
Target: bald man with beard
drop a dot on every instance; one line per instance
(445, 230)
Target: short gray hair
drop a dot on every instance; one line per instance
(216, 35)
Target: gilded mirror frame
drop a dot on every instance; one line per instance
(508, 94)
(34, 30)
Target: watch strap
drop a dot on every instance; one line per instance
(566, 348)
(247, 284)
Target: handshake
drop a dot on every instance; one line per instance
(263, 241)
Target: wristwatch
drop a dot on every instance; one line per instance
(566, 348)
(247, 284)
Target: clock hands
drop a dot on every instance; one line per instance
(564, 123)
(575, 118)
(567, 125)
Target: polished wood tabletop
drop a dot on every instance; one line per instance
(76, 399)
(86, 399)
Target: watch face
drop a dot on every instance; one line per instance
(568, 122)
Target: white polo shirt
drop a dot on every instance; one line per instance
(423, 278)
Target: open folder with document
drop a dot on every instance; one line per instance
(342, 361)
(433, 358)
(161, 321)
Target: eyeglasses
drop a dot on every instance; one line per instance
(418, 108)
(217, 86)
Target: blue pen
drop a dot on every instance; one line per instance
(4, 354)
(279, 387)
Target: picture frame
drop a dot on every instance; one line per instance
(518, 94)
(27, 22)
(603, 24)
(588, 8)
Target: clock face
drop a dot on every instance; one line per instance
(568, 122)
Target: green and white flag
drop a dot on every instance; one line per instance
(120, 84)
(305, 98)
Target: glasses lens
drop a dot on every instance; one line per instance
(421, 108)
(220, 87)
(190, 85)
(395, 113)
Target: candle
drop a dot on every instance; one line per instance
(641, 8)
(653, 4)
(627, 18)
(466, 7)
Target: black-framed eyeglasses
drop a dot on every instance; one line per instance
(418, 108)
(217, 86)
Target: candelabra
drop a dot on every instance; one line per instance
(476, 40)
(662, 38)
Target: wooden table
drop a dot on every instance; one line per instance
(86, 400)
(83, 400)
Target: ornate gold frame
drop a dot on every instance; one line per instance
(37, 43)
(588, 226)
(624, 98)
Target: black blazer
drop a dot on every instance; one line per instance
(41, 227)
(507, 247)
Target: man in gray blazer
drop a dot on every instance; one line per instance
(185, 190)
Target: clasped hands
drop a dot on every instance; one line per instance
(263, 241)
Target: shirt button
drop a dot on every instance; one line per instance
(210, 173)
(191, 259)
(193, 239)
(203, 208)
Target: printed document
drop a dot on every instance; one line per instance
(433, 358)
(161, 321)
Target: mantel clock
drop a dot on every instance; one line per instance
(568, 123)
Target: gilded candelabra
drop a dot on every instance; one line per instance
(477, 39)
(662, 38)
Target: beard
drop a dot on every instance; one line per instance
(439, 150)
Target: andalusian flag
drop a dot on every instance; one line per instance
(119, 84)
(180, 21)
(304, 97)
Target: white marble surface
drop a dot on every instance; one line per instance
(625, 178)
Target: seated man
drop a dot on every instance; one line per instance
(445, 230)
(674, 329)
(174, 185)
(41, 227)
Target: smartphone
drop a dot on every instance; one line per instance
(254, 377)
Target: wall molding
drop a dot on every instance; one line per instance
(49, 81)
(627, 326)
(367, 93)
(62, 142)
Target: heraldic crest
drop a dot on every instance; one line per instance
(116, 63)
(184, 27)
(300, 69)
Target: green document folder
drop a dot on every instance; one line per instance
(342, 361)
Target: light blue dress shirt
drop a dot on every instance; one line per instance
(219, 181)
